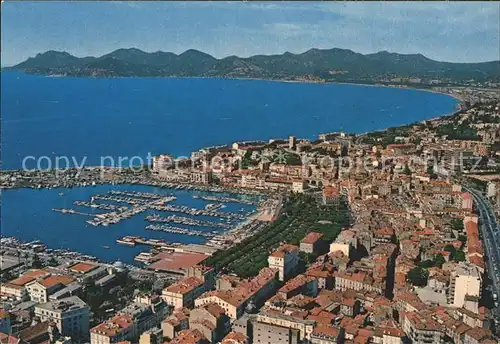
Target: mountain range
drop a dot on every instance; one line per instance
(320, 64)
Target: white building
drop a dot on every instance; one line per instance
(465, 280)
(71, 316)
(184, 292)
(285, 259)
(40, 290)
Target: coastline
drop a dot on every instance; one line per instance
(235, 231)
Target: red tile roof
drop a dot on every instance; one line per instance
(114, 326)
(82, 267)
(235, 338)
(284, 249)
(188, 337)
(185, 285)
(53, 280)
(312, 238)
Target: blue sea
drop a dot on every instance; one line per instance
(127, 117)
(91, 118)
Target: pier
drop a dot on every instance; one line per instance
(186, 221)
(198, 212)
(129, 200)
(133, 240)
(226, 199)
(100, 206)
(138, 202)
(179, 230)
(115, 217)
(71, 211)
(136, 194)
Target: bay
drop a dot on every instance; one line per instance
(93, 118)
(127, 117)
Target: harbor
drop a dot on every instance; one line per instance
(199, 212)
(71, 211)
(180, 230)
(186, 221)
(118, 213)
(111, 220)
(99, 206)
(135, 240)
(227, 199)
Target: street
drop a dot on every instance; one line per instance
(491, 239)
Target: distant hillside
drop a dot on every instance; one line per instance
(315, 64)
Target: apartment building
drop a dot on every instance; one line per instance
(40, 290)
(234, 301)
(71, 316)
(119, 328)
(265, 333)
(299, 328)
(183, 293)
(464, 281)
(285, 259)
(421, 328)
(311, 242)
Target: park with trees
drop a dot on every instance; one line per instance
(301, 215)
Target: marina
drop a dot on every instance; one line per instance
(179, 230)
(129, 200)
(135, 194)
(126, 219)
(118, 213)
(135, 240)
(71, 211)
(99, 206)
(186, 221)
(227, 199)
(198, 212)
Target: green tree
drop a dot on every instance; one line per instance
(36, 263)
(418, 276)
(457, 224)
(52, 262)
(459, 256)
(426, 264)
(407, 170)
(462, 238)
(450, 248)
(439, 260)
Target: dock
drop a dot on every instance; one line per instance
(71, 211)
(136, 194)
(187, 221)
(99, 206)
(198, 212)
(115, 217)
(180, 230)
(134, 240)
(226, 199)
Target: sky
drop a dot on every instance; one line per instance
(445, 31)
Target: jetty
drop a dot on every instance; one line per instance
(135, 240)
(71, 211)
(180, 230)
(227, 199)
(198, 212)
(129, 200)
(186, 221)
(100, 206)
(115, 217)
(136, 194)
